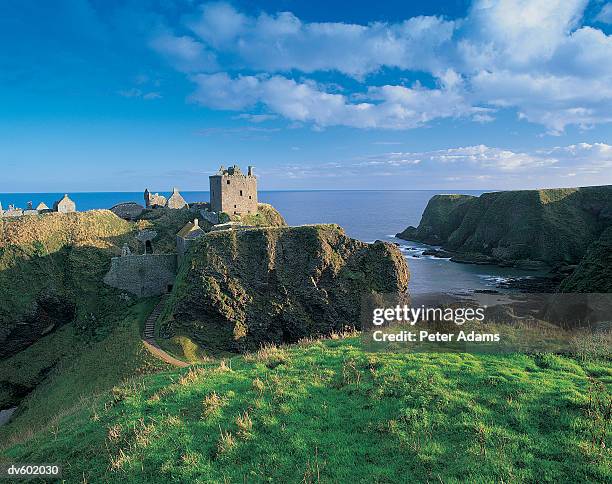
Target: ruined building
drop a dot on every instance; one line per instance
(190, 232)
(65, 205)
(154, 200)
(176, 200)
(233, 192)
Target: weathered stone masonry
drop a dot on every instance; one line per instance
(233, 192)
(143, 275)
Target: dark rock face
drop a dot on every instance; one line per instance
(48, 313)
(530, 228)
(245, 288)
(594, 273)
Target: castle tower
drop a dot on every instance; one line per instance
(233, 192)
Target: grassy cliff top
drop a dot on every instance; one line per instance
(266, 216)
(327, 411)
(55, 230)
(553, 226)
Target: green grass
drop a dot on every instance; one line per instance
(66, 371)
(328, 411)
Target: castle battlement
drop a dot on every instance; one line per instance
(233, 192)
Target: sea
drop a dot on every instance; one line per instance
(367, 215)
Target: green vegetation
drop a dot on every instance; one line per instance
(167, 223)
(51, 270)
(266, 216)
(553, 228)
(62, 372)
(327, 411)
(239, 289)
(594, 273)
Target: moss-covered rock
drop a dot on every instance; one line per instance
(51, 269)
(553, 226)
(242, 288)
(266, 216)
(594, 273)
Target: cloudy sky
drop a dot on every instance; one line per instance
(110, 95)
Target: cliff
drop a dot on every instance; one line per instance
(552, 227)
(594, 273)
(243, 288)
(51, 269)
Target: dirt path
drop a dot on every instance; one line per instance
(149, 337)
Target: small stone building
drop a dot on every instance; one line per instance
(65, 205)
(146, 236)
(42, 207)
(233, 192)
(154, 200)
(176, 200)
(190, 232)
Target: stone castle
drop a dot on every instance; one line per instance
(150, 274)
(233, 192)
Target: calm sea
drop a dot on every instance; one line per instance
(365, 215)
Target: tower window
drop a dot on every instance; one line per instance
(235, 206)
(250, 197)
(228, 182)
(240, 192)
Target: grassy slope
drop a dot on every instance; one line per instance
(75, 370)
(328, 410)
(266, 216)
(64, 254)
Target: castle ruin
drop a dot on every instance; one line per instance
(64, 205)
(233, 192)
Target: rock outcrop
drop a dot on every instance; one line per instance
(526, 228)
(594, 273)
(243, 288)
(51, 269)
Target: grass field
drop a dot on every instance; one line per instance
(326, 411)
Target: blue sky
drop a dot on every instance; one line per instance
(112, 95)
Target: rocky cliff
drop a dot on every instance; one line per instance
(243, 288)
(551, 227)
(594, 273)
(51, 269)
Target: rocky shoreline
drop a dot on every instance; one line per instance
(565, 234)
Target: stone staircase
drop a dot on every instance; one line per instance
(149, 329)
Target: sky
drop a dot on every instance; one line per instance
(119, 95)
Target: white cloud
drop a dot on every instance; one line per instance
(517, 32)
(481, 156)
(596, 156)
(391, 107)
(185, 53)
(533, 56)
(138, 93)
(282, 42)
(605, 15)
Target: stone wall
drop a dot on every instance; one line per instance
(233, 194)
(127, 210)
(143, 275)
